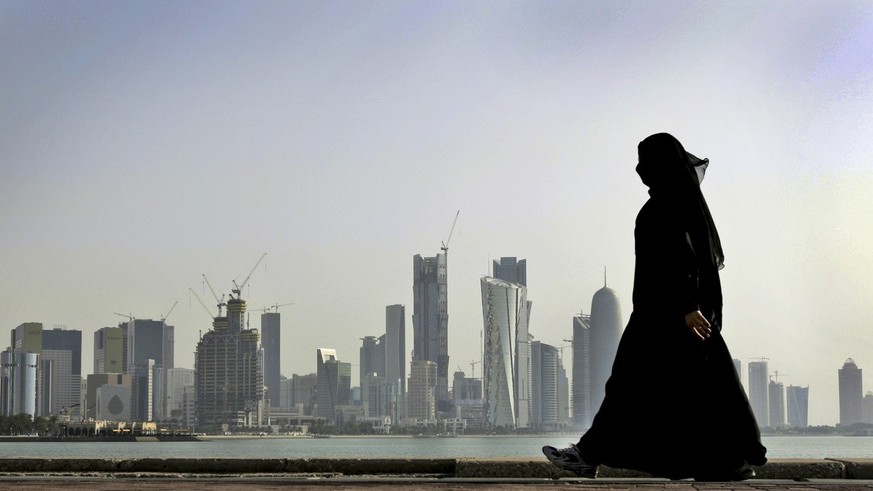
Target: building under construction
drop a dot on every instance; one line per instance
(229, 376)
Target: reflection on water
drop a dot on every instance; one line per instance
(779, 447)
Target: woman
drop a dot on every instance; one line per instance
(674, 406)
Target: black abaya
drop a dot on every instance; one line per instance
(674, 406)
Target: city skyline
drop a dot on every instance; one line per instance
(145, 144)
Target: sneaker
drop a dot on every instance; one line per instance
(570, 460)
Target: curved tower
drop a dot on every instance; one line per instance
(605, 332)
(506, 364)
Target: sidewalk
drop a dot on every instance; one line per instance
(462, 474)
(265, 483)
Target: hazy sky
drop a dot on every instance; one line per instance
(143, 144)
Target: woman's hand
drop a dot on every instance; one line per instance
(698, 325)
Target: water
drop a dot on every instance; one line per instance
(779, 447)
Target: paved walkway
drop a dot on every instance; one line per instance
(122, 483)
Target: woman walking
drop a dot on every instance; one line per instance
(674, 405)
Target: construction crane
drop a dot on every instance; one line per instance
(274, 307)
(445, 244)
(164, 317)
(208, 312)
(128, 316)
(219, 301)
(238, 288)
(473, 368)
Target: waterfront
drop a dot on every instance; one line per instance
(779, 447)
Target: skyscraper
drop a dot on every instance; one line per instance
(149, 345)
(421, 398)
(148, 339)
(109, 354)
(776, 392)
(270, 342)
(545, 400)
(797, 399)
(395, 354)
(229, 376)
(334, 383)
(606, 327)
(851, 394)
(581, 393)
(507, 371)
(19, 383)
(62, 370)
(430, 319)
(759, 395)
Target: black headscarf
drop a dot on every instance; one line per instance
(673, 175)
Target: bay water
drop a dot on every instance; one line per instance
(778, 447)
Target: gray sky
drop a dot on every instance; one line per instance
(143, 144)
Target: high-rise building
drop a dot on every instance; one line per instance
(759, 395)
(148, 339)
(510, 269)
(606, 327)
(179, 380)
(19, 383)
(394, 343)
(545, 400)
(334, 384)
(867, 408)
(507, 370)
(563, 395)
(303, 391)
(776, 394)
(62, 371)
(797, 399)
(372, 358)
(581, 392)
(229, 374)
(466, 388)
(851, 394)
(270, 343)
(430, 319)
(109, 350)
(421, 398)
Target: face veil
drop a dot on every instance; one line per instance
(674, 175)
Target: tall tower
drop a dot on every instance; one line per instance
(109, 350)
(62, 370)
(798, 406)
(334, 383)
(759, 395)
(581, 391)
(851, 394)
(430, 318)
(777, 403)
(395, 354)
(421, 399)
(270, 342)
(507, 370)
(228, 375)
(606, 327)
(545, 400)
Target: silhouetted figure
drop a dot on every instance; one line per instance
(674, 405)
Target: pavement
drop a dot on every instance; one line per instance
(268, 483)
(432, 474)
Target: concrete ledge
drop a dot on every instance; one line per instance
(459, 468)
(857, 468)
